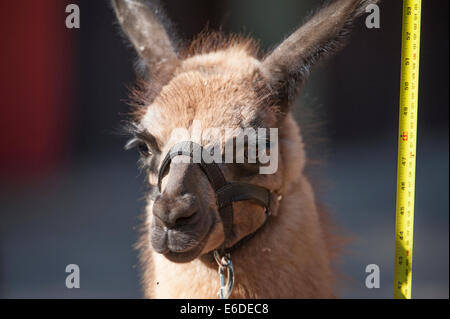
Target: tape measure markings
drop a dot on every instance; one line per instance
(409, 85)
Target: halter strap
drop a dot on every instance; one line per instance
(226, 193)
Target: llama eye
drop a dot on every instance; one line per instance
(144, 150)
(142, 146)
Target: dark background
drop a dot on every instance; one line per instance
(70, 194)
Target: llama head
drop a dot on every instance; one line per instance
(208, 92)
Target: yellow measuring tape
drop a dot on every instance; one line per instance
(406, 170)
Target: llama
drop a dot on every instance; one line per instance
(224, 81)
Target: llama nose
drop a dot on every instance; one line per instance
(175, 211)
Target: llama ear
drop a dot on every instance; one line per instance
(288, 66)
(144, 29)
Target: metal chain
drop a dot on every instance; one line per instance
(226, 274)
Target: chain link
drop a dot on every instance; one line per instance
(226, 275)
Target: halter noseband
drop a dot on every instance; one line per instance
(226, 192)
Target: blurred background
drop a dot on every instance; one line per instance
(70, 194)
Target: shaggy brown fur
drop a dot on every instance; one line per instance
(221, 81)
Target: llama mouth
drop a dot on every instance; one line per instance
(189, 254)
(186, 256)
(176, 245)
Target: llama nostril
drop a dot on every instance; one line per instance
(183, 219)
(176, 212)
(183, 213)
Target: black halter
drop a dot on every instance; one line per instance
(226, 193)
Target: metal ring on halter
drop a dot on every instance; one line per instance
(226, 281)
